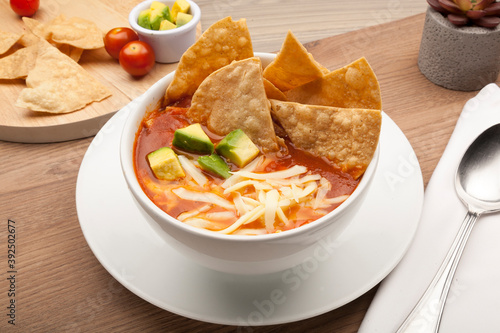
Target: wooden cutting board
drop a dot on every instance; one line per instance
(23, 125)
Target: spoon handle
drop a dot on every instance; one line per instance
(426, 315)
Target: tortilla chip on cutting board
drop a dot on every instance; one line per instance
(75, 31)
(57, 84)
(7, 40)
(18, 64)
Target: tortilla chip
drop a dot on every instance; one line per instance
(233, 98)
(18, 64)
(322, 68)
(36, 27)
(224, 41)
(272, 92)
(28, 38)
(7, 40)
(77, 32)
(74, 31)
(57, 84)
(293, 66)
(352, 86)
(348, 137)
(73, 52)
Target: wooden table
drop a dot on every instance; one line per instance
(61, 287)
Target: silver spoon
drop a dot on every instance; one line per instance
(477, 183)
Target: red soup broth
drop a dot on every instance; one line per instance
(157, 130)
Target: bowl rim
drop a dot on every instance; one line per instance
(130, 128)
(134, 13)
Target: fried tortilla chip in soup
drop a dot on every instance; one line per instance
(293, 66)
(348, 137)
(272, 92)
(18, 64)
(57, 84)
(224, 41)
(234, 97)
(352, 86)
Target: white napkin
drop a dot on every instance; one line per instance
(474, 300)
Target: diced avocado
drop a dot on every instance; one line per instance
(167, 15)
(167, 25)
(157, 5)
(183, 18)
(180, 6)
(238, 148)
(193, 139)
(165, 164)
(214, 164)
(143, 19)
(155, 18)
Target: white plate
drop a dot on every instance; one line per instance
(338, 273)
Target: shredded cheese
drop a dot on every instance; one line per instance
(220, 216)
(193, 171)
(191, 213)
(201, 223)
(271, 205)
(203, 197)
(282, 216)
(247, 196)
(235, 178)
(247, 218)
(293, 171)
(245, 183)
(241, 207)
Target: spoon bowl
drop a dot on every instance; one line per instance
(477, 182)
(478, 174)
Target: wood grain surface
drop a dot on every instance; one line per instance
(60, 285)
(23, 125)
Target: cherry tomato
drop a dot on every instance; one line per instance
(116, 38)
(25, 7)
(137, 58)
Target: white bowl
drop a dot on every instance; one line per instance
(169, 45)
(236, 254)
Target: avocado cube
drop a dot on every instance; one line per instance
(183, 18)
(238, 148)
(143, 19)
(155, 18)
(214, 164)
(157, 5)
(180, 6)
(167, 25)
(167, 15)
(165, 164)
(193, 139)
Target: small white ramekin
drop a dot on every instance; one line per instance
(169, 45)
